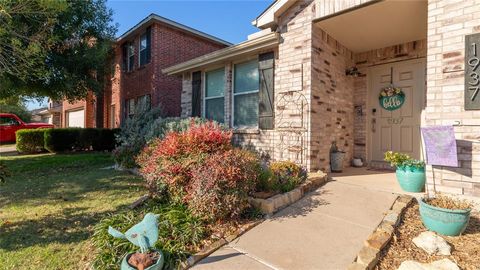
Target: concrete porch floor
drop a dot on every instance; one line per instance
(324, 230)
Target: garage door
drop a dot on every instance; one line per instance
(76, 118)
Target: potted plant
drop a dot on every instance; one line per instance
(336, 158)
(445, 215)
(144, 235)
(410, 172)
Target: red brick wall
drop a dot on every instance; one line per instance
(87, 104)
(169, 46)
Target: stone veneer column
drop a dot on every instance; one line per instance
(186, 102)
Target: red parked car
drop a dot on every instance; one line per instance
(10, 123)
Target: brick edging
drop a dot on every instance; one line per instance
(274, 204)
(367, 258)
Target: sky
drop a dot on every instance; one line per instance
(229, 20)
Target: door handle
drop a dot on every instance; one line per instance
(374, 121)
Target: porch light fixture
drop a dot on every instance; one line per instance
(353, 71)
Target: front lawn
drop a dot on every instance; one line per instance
(51, 203)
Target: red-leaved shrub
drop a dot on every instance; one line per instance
(222, 183)
(169, 162)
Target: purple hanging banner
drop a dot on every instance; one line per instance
(440, 145)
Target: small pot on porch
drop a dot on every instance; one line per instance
(336, 158)
(411, 178)
(410, 172)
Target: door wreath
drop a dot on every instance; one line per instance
(391, 98)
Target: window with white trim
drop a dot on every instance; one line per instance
(142, 59)
(214, 99)
(130, 107)
(245, 94)
(144, 103)
(130, 57)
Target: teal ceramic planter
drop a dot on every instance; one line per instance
(411, 179)
(157, 266)
(444, 221)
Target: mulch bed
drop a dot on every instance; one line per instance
(465, 248)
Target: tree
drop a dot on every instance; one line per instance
(15, 105)
(55, 48)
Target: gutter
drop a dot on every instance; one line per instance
(246, 47)
(155, 17)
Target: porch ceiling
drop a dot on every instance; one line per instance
(379, 25)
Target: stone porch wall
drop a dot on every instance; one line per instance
(448, 23)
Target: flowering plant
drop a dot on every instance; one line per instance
(402, 160)
(391, 91)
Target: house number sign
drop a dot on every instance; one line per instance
(472, 72)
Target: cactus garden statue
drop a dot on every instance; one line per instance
(143, 235)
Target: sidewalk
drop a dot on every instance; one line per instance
(324, 230)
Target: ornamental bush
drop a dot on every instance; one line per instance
(281, 176)
(62, 139)
(169, 162)
(79, 139)
(221, 185)
(30, 140)
(131, 138)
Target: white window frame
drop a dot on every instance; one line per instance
(140, 48)
(130, 48)
(243, 93)
(131, 112)
(204, 95)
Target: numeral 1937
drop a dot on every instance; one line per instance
(474, 83)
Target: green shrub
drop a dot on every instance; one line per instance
(142, 128)
(78, 139)
(62, 139)
(180, 234)
(221, 185)
(105, 140)
(30, 140)
(87, 137)
(131, 138)
(281, 176)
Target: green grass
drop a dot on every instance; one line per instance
(50, 204)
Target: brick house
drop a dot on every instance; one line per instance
(313, 73)
(140, 54)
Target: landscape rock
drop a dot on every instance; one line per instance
(392, 218)
(432, 243)
(444, 264)
(368, 257)
(378, 239)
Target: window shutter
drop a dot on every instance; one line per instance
(124, 56)
(266, 91)
(149, 42)
(196, 93)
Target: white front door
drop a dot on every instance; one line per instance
(396, 130)
(76, 118)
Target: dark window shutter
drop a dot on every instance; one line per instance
(149, 42)
(265, 106)
(124, 56)
(196, 93)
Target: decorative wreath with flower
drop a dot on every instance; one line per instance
(391, 91)
(391, 98)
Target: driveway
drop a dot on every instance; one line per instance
(8, 150)
(324, 230)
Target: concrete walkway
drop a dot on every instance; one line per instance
(324, 230)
